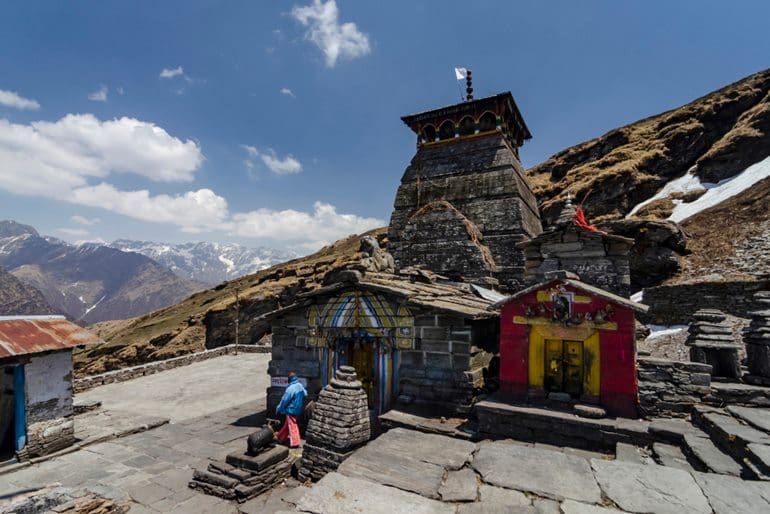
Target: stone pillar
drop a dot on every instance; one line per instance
(338, 426)
(711, 341)
(757, 338)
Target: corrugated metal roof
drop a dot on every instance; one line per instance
(35, 334)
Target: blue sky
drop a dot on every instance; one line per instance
(277, 123)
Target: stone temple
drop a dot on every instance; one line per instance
(464, 201)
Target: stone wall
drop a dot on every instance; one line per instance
(676, 303)
(445, 366)
(598, 259)
(121, 375)
(671, 388)
(48, 388)
(492, 208)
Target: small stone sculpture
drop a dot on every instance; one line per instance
(757, 338)
(712, 341)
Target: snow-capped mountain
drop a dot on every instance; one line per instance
(209, 263)
(88, 282)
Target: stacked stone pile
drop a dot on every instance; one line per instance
(757, 339)
(711, 341)
(244, 476)
(339, 425)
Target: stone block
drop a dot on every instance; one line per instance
(260, 461)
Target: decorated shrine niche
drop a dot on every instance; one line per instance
(564, 336)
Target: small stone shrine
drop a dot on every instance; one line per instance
(598, 258)
(567, 340)
(339, 425)
(757, 339)
(711, 341)
(243, 476)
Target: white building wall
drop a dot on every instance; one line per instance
(49, 386)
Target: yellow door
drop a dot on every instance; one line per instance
(564, 366)
(554, 365)
(361, 357)
(573, 368)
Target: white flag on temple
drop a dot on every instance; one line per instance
(461, 73)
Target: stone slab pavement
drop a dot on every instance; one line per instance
(190, 391)
(150, 470)
(508, 476)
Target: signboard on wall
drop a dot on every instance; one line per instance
(284, 381)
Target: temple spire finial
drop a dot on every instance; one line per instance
(469, 86)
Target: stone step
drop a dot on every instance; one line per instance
(755, 416)
(671, 456)
(630, 453)
(727, 432)
(759, 457)
(705, 456)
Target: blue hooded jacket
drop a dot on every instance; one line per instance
(293, 399)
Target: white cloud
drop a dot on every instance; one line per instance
(280, 166)
(170, 73)
(286, 91)
(286, 166)
(99, 95)
(313, 230)
(335, 40)
(193, 211)
(77, 232)
(59, 159)
(70, 160)
(82, 220)
(120, 91)
(13, 99)
(251, 150)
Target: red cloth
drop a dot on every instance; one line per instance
(290, 431)
(580, 221)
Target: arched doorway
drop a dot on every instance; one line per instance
(364, 330)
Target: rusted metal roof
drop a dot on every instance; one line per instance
(25, 335)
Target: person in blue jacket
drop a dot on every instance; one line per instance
(291, 405)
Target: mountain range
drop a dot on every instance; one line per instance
(89, 282)
(208, 263)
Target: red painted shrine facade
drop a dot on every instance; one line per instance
(565, 336)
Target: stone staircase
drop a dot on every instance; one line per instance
(733, 441)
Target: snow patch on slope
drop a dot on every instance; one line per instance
(684, 184)
(723, 190)
(664, 330)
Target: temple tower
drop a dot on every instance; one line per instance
(464, 201)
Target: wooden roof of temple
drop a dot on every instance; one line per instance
(507, 119)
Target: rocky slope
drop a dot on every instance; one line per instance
(722, 133)
(17, 298)
(90, 282)
(208, 316)
(204, 262)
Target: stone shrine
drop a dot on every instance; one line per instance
(598, 258)
(757, 339)
(464, 200)
(338, 426)
(712, 342)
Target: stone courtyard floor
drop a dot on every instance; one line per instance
(212, 406)
(402, 471)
